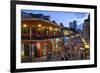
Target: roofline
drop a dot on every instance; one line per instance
(41, 20)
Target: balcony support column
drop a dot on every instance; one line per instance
(30, 49)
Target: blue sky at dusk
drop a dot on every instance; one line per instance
(62, 17)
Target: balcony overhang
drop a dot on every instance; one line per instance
(35, 21)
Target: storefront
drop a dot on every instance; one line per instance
(36, 48)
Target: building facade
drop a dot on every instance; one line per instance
(36, 34)
(86, 29)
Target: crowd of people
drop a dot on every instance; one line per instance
(71, 51)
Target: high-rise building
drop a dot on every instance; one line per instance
(73, 25)
(70, 25)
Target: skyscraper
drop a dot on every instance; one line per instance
(73, 25)
(70, 25)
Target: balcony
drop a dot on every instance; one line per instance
(41, 36)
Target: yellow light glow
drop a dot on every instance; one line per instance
(83, 40)
(39, 25)
(50, 28)
(59, 29)
(24, 25)
(22, 53)
(66, 32)
(87, 46)
(56, 29)
(81, 48)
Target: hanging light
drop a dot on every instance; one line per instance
(24, 25)
(39, 25)
(50, 28)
